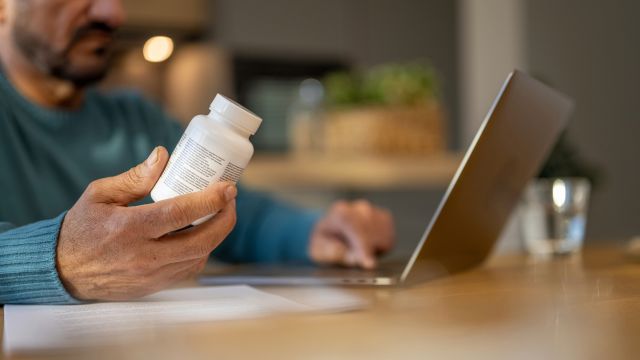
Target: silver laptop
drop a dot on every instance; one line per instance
(515, 138)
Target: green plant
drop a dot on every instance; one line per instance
(390, 84)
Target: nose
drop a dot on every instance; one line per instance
(111, 12)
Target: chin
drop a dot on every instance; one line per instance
(83, 66)
(82, 75)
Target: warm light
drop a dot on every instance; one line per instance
(158, 49)
(559, 193)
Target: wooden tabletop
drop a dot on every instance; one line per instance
(580, 307)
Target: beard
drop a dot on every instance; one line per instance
(59, 63)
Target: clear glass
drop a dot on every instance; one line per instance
(554, 215)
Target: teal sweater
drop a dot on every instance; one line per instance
(47, 158)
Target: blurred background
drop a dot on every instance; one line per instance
(379, 98)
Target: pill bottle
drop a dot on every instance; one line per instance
(214, 147)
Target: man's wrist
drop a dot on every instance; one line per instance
(64, 269)
(28, 262)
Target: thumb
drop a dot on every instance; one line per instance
(137, 182)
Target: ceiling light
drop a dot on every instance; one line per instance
(157, 49)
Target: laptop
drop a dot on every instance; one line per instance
(514, 140)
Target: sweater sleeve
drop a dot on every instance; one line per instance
(268, 231)
(28, 273)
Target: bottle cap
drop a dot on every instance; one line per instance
(236, 113)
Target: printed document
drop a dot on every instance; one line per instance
(33, 327)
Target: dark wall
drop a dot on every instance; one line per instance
(591, 50)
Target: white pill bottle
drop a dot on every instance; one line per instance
(214, 147)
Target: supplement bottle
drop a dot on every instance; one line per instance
(214, 147)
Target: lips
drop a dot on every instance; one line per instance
(94, 35)
(97, 35)
(94, 42)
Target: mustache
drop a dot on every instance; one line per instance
(94, 26)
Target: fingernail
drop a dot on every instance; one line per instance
(369, 263)
(153, 158)
(230, 193)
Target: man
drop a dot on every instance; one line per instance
(67, 232)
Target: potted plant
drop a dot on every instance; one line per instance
(392, 109)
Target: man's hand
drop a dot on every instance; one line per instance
(352, 234)
(108, 251)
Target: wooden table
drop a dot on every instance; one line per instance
(581, 307)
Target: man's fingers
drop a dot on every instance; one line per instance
(355, 235)
(132, 185)
(377, 223)
(186, 273)
(160, 279)
(387, 236)
(193, 266)
(329, 250)
(197, 242)
(332, 250)
(176, 213)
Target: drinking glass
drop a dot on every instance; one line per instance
(554, 215)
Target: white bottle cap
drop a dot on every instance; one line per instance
(236, 113)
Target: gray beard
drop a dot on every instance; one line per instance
(53, 63)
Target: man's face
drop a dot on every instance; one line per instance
(67, 39)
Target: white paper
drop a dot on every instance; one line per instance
(36, 327)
